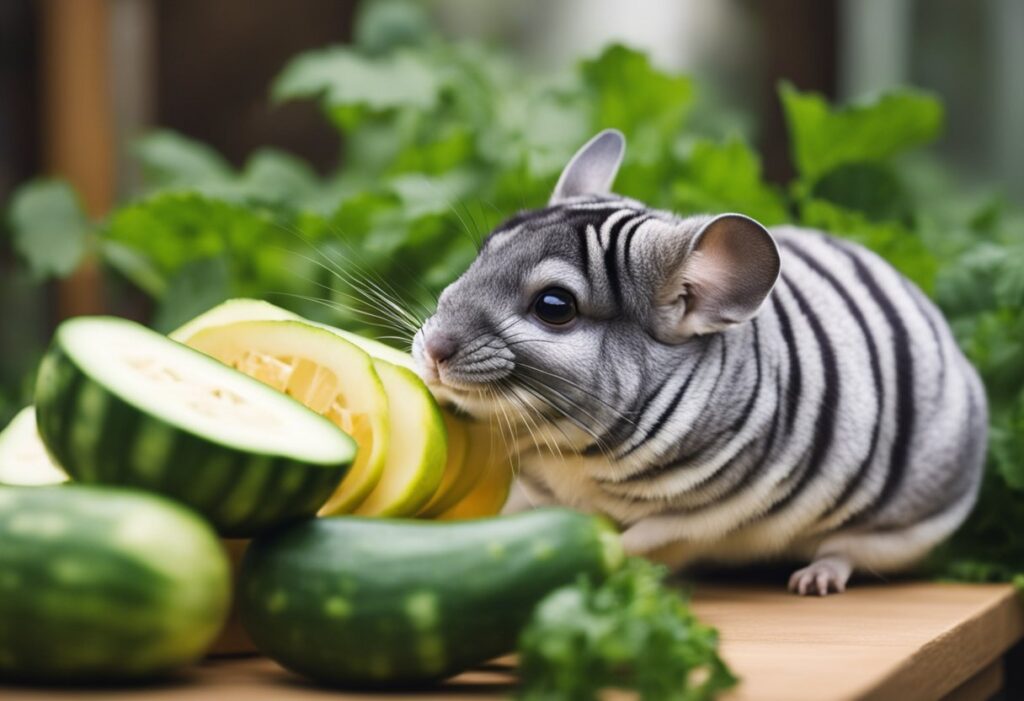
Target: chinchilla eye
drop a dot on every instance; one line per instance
(555, 306)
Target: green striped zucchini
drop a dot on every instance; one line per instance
(356, 601)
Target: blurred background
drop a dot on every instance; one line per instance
(94, 74)
(343, 158)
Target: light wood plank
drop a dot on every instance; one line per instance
(896, 641)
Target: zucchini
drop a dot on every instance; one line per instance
(101, 583)
(378, 602)
(117, 403)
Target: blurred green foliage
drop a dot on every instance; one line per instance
(443, 140)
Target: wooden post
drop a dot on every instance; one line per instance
(77, 129)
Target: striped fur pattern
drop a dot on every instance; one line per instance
(839, 423)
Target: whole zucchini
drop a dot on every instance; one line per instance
(372, 602)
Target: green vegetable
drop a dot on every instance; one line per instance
(120, 404)
(104, 584)
(631, 632)
(356, 601)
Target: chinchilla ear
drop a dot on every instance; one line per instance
(592, 170)
(725, 274)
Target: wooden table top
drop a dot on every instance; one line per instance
(887, 641)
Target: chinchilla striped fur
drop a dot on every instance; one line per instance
(722, 391)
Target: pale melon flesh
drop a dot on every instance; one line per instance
(326, 373)
(417, 444)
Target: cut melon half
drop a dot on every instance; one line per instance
(120, 404)
(322, 371)
(417, 446)
(23, 457)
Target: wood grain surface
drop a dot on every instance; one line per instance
(902, 641)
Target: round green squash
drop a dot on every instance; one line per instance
(100, 583)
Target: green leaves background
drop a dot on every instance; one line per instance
(443, 140)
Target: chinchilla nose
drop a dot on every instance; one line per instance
(440, 347)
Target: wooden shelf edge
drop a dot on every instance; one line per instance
(954, 659)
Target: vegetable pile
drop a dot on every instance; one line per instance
(247, 423)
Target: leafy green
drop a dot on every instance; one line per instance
(342, 77)
(168, 159)
(897, 243)
(197, 286)
(650, 112)
(824, 138)
(631, 632)
(50, 229)
(726, 177)
(873, 189)
(384, 25)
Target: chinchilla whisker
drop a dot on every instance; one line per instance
(509, 397)
(373, 293)
(384, 320)
(352, 256)
(363, 285)
(366, 318)
(570, 417)
(531, 425)
(404, 340)
(396, 322)
(481, 230)
(554, 447)
(336, 270)
(606, 450)
(474, 235)
(387, 289)
(509, 439)
(544, 400)
(332, 270)
(575, 420)
(325, 264)
(618, 412)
